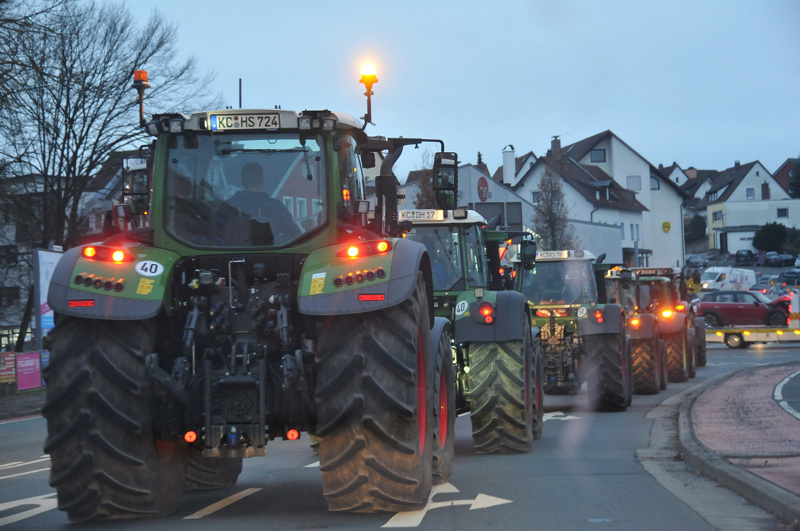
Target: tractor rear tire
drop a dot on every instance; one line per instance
(204, 473)
(444, 423)
(607, 374)
(646, 366)
(375, 401)
(502, 401)
(691, 351)
(105, 462)
(700, 326)
(677, 352)
(538, 391)
(662, 353)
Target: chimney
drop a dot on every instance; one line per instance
(736, 164)
(509, 165)
(555, 148)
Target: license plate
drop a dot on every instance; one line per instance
(224, 122)
(421, 215)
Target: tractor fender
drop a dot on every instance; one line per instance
(440, 325)
(409, 259)
(672, 326)
(511, 318)
(646, 328)
(613, 322)
(141, 298)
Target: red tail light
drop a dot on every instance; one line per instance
(487, 311)
(365, 249)
(598, 316)
(106, 254)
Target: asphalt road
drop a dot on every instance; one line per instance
(589, 471)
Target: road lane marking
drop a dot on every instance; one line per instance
(214, 507)
(42, 504)
(312, 465)
(414, 518)
(558, 415)
(21, 463)
(778, 396)
(25, 473)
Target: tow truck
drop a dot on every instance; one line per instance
(743, 337)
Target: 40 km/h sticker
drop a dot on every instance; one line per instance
(461, 307)
(149, 269)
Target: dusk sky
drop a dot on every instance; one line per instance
(703, 84)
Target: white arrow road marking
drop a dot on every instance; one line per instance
(558, 415)
(312, 465)
(414, 518)
(43, 503)
(214, 507)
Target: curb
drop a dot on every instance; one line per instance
(770, 497)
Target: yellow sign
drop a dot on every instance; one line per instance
(317, 283)
(665, 226)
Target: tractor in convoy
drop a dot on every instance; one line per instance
(496, 356)
(254, 296)
(649, 363)
(582, 333)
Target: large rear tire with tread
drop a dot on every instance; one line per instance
(538, 391)
(646, 366)
(676, 351)
(501, 396)
(444, 427)
(700, 326)
(662, 352)
(203, 473)
(606, 372)
(374, 396)
(691, 351)
(104, 461)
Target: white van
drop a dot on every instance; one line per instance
(727, 278)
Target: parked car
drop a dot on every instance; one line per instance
(742, 308)
(695, 260)
(797, 261)
(780, 260)
(761, 287)
(745, 257)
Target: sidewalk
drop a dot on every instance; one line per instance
(733, 431)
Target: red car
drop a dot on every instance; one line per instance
(742, 308)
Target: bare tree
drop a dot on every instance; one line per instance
(67, 104)
(550, 215)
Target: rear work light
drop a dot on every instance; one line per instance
(667, 314)
(357, 250)
(106, 254)
(635, 323)
(558, 312)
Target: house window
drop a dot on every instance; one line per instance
(718, 215)
(750, 194)
(712, 196)
(597, 155)
(655, 184)
(535, 197)
(637, 231)
(301, 207)
(622, 230)
(632, 233)
(634, 182)
(8, 254)
(288, 202)
(783, 212)
(316, 206)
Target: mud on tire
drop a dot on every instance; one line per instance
(501, 396)
(374, 395)
(105, 463)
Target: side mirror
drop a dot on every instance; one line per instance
(625, 278)
(527, 253)
(368, 159)
(445, 179)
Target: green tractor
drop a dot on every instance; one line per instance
(583, 335)
(496, 354)
(259, 297)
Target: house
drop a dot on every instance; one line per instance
(784, 174)
(619, 203)
(741, 199)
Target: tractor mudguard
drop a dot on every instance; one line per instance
(646, 328)
(510, 320)
(672, 325)
(356, 292)
(97, 289)
(612, 321)
(440, 324)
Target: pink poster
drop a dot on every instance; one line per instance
(29, 371)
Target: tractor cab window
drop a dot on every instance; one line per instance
(475, 257)
(445, 255)
(243, 190)
(350, 173)
(567, 282)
